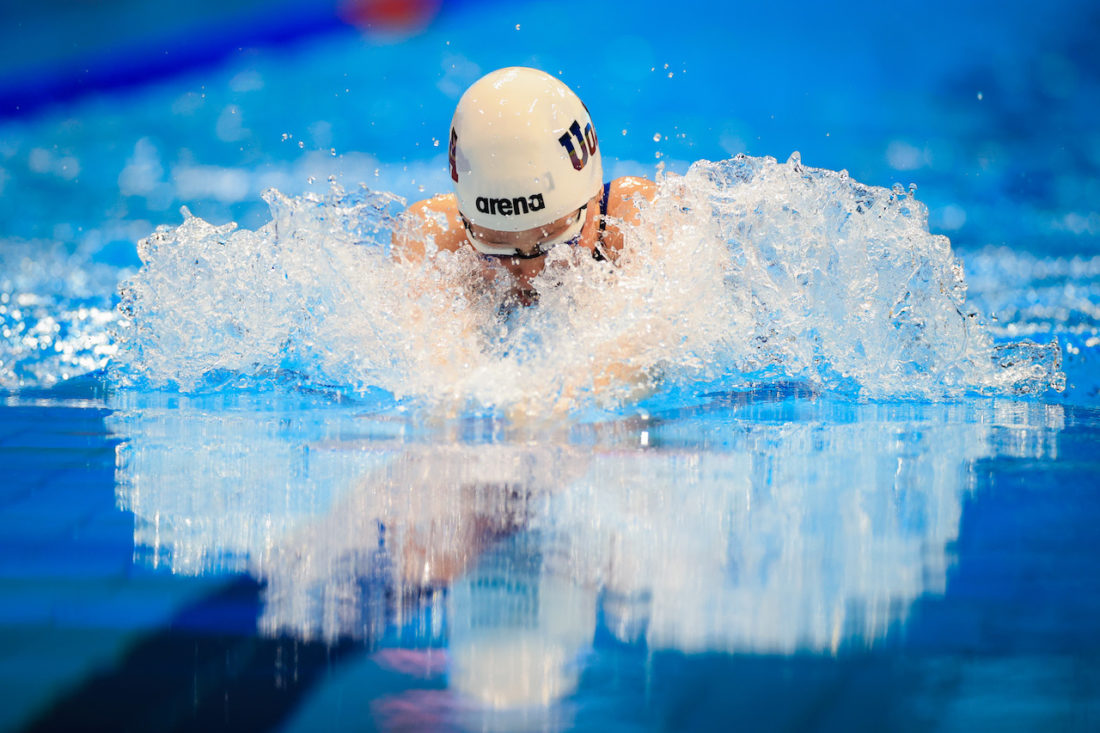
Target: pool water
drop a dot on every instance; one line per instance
(791, 559)
(851, 485)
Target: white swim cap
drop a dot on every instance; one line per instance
(523, 151)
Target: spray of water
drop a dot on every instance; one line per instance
(740, 270)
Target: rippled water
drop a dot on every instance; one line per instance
(499, 576)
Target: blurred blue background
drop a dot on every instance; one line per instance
(116, 113)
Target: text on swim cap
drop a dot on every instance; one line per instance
(510, 207)
(586, 143)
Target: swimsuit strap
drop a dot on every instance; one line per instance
(596, 253)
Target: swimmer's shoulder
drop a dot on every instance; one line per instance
(431, 220)
(626, 193)
(625, 197)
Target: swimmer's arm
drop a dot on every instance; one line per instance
(431, 224)
(620, 365)
(618, 372)
(425, 228)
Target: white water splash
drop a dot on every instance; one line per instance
(741, 269)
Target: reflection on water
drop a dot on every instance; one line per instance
(767, 521)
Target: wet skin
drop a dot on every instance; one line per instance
(438, 219)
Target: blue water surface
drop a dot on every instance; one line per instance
(274, 551)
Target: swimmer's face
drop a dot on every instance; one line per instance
(531, 246)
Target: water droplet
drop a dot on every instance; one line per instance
(517, 26)
(979, 96)
(656, 137)
(301, 145)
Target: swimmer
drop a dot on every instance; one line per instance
(527, 174)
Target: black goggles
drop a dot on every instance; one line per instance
(571, 235)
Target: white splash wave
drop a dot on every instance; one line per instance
(740, 269)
